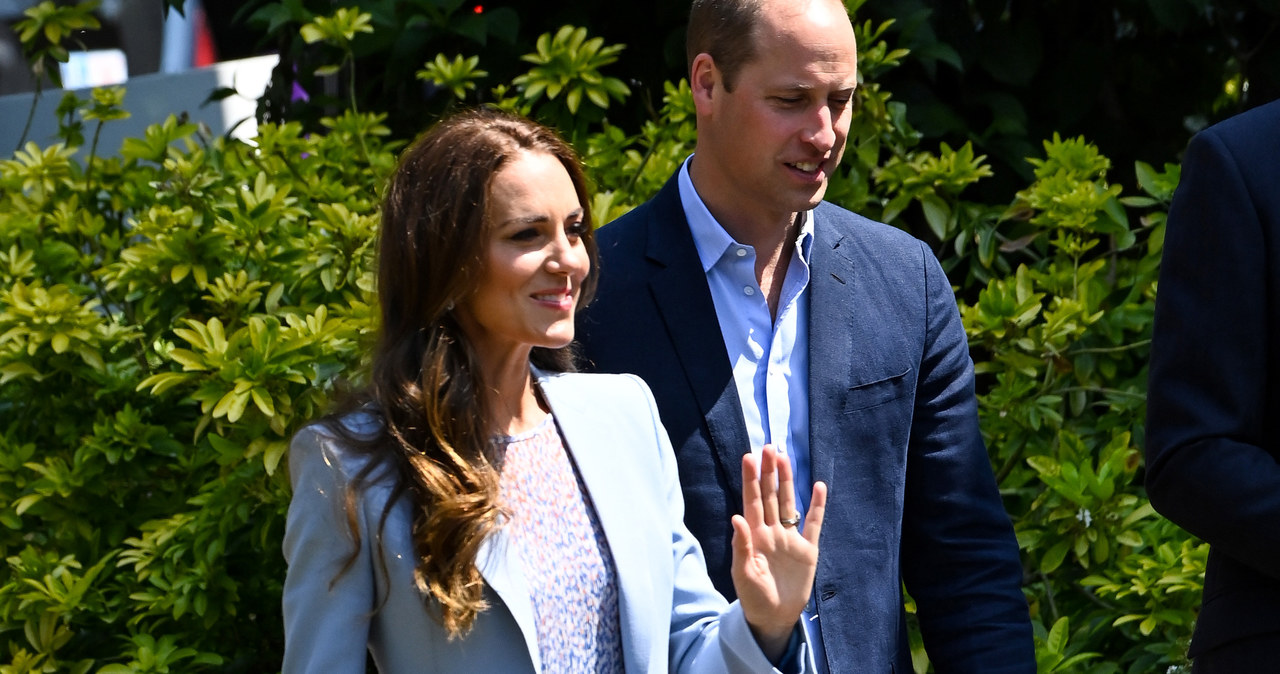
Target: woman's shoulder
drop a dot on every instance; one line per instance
(336, 443)
(594, 386)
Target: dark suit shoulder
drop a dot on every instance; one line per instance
(851, 224)
(870, 247)
(1254, 131)
(627, 231)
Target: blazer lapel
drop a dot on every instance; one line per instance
(831, 320)
(499, 565)
(584, 430)
(679, 288)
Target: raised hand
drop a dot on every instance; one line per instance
(773, 563)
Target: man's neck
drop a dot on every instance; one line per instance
(772, 235)
(763, 231)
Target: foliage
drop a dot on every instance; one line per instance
(370, 52)
(43, 34)
(170, 314)
(168, 318)
(1131, 75)
(45, 30)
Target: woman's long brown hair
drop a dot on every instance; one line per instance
(425, 382)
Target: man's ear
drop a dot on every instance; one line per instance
(704, 76)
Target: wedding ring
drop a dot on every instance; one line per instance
(790, 521)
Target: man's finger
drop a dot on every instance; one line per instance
(817, 511)
(742, 548)
(769, 484)
(786, 489)
(752, 505)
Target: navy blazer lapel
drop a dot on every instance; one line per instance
(832, 318)
(680, 291)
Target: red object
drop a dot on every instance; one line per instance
(479, 9)
(206, 54)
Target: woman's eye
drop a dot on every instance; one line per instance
(525, 235)
(576, 229)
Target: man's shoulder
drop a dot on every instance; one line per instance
(629, 227)
(835, 225)
(1246, 126)
(1251, 138)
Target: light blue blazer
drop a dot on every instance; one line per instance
(672, 619)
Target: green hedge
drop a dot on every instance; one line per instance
(171, 314)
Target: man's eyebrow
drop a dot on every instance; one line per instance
(808, 86)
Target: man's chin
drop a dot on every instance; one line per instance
(810, 198)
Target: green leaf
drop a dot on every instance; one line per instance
(263, 400)
(1057, 642)
(18, 369)
(937, 213)
(1129, 538)
(272, 455)
(1054, 557)
(1142, 511)
(311, 33)
(1147, 626)
(24, 503)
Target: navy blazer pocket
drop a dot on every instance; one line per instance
(878, 392)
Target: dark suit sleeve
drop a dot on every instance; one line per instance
(959, 555)
(1211, 445)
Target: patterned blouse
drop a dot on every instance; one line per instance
(567, 565)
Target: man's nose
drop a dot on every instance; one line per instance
(820, 131)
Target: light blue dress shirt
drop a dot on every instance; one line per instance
(769, 356)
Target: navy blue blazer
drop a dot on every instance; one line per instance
(893, 432)
(1213, 406)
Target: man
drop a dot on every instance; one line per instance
(759, 314)
(1213, 407)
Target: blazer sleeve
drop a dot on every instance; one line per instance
(1212, 460)
(326, 609)
(960, 558)
(707, 635)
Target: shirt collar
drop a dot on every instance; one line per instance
(710, 239)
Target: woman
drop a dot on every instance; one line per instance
(484, 512)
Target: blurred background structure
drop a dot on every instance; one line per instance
(171, 63)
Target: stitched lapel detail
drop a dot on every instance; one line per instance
(684, 300)
(831, 320)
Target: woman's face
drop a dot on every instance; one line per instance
(534, 262)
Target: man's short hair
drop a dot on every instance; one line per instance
(725, 29)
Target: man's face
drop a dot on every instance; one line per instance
(769, 146)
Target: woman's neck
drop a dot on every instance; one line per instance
(511, 397)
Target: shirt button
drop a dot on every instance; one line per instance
(741, 252)
(748, 290)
